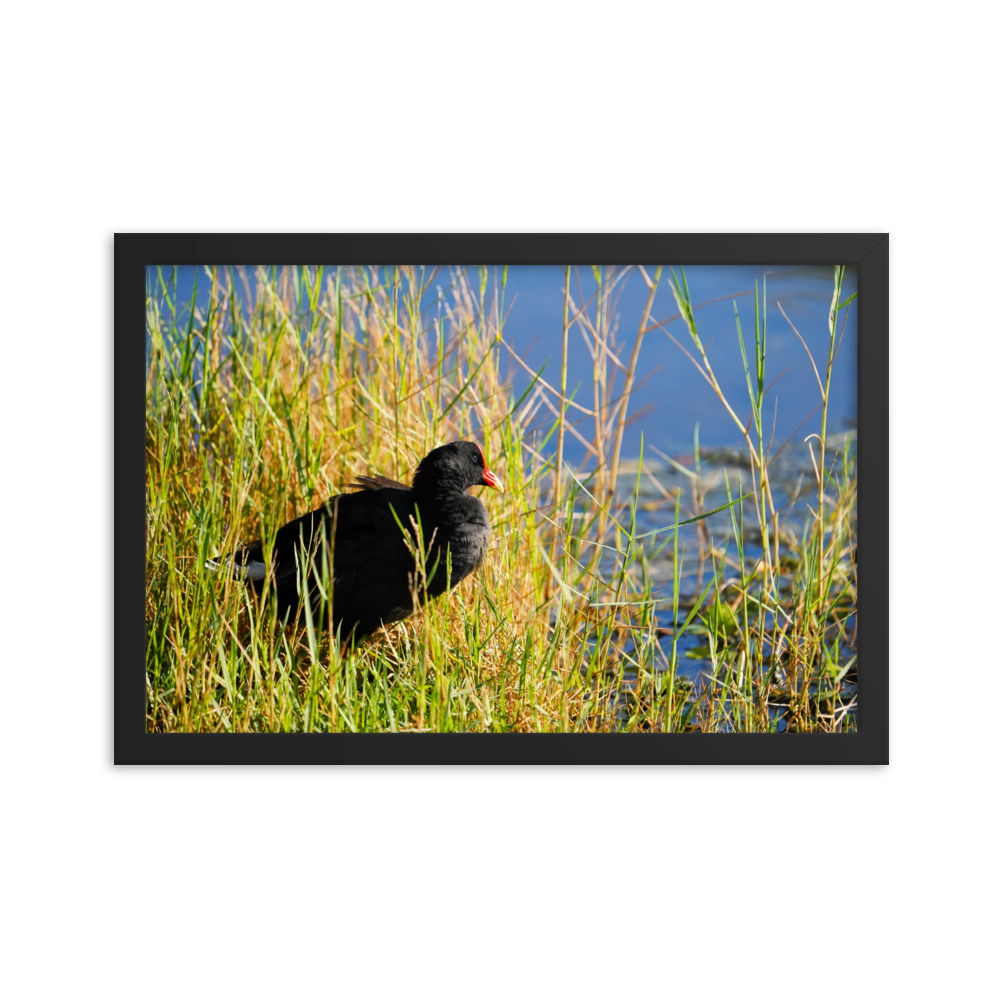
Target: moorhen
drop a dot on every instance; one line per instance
(373, 568)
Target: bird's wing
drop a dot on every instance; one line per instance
(372, 564)
(371, 561)
(376, 483)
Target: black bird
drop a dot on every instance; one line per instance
(374, 570)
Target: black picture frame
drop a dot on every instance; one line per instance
(868, 252)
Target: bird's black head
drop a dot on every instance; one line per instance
(454, 467)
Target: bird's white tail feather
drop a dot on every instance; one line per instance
(251, 570)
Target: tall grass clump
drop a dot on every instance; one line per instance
(789, 612)
(287, 382)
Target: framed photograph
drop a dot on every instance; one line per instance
(501, 498)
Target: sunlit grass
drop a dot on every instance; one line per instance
(289, 382)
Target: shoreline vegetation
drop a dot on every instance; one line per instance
(602, 581)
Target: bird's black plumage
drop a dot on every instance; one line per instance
(374, 570)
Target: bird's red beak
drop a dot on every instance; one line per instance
(489, 478)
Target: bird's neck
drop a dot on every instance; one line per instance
(429, 493)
